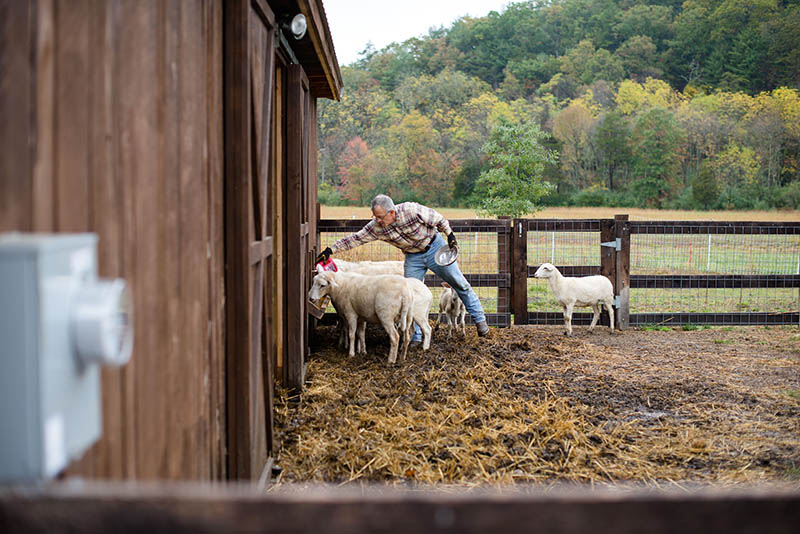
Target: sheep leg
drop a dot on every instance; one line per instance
(394, 338)
(610, 307)
(463, 316)
(568, 318)
(361, 339)
(341, 326)
(595, 316)
(438, 320)
(351, 330)
(409, 332)
(426, 334)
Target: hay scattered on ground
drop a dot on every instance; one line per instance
(530, 405)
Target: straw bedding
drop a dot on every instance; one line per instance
(530, 405)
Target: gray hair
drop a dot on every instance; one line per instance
(384, 202)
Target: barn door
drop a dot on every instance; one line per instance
(249, 85)
(299, 126)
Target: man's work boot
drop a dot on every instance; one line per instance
(482, 328)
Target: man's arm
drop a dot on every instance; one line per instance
(362, 237)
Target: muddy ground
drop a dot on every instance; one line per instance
(716, 405)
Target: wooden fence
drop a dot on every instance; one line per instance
(222, 509)
(614, 242)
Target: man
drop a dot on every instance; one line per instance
(414, 229)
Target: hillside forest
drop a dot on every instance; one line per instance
(666, 104)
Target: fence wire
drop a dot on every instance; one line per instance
(662, 258)
(563, 248)
(677, 249)
(670, 249)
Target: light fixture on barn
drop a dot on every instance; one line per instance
(298, 26)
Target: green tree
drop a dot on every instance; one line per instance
(572, 127)
(657, 137)
(517, 159)
(612, 138)
(705, 190)
(639, 58)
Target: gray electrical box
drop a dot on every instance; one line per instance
(58, 323)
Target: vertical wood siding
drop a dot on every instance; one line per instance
(112, 123)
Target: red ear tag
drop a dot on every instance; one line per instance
(328, 265)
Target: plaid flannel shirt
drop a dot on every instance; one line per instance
(412, 232)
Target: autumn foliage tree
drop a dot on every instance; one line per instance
(517, 159)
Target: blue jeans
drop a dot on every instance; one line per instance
(417, 264)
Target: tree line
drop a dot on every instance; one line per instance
(666, 104)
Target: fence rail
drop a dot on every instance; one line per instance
(668, 272)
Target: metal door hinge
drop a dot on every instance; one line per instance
(616, 244)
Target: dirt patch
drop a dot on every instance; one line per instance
(718, 405)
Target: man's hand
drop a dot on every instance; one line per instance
(451, 240)
(324, 255)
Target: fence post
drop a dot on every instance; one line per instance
(519, 271)
(504, 266)
(316, 227)
(608, 255)
(622, 231)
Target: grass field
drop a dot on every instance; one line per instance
(650, 254)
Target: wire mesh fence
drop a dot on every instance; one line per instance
(680, 272)
(742, 270)
(717, 273)
(569, 246)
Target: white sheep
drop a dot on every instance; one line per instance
(383, 299)
(453, 308)
(423, 298)
(583, 291)
(361, 267)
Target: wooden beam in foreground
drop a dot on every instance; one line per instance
(175, 508)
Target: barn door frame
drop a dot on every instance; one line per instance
(299, 122)
(249, 66)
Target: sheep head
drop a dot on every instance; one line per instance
(545, 270)
(321, 287)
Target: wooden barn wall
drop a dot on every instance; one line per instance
(112, 123)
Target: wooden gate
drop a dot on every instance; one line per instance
(250, 33)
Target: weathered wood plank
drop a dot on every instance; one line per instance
(108, 456)
(714, 281)
(622, 231)
(107, 508)
(519, 271)
(215, 219)
(715, 227)
(564, 225)
(296, 171)
(729, 318)
(72, 117)
(194, 299)
(17, 42)
(43, 88)
(168, 86)
(238, 236)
